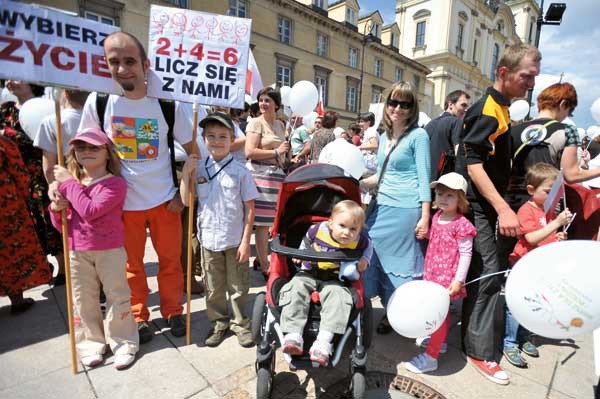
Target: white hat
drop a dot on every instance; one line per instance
(337, 132)
(451, 180)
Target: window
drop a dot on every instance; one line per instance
(351, 16)
(530, 36)
(398, 74)
(459, 38)
(475, 52)
(238, 8)
(378, 71)
(179, 3)
(284, 29)
(394, 40)
(376, 31)
(319, 3)
(353, 57)
(420, 35)
(322, 45)
(284, 73)
(322, 83)
(376, 95)
(495, 55)
(351, 95)
(417, 82)
(98, 18)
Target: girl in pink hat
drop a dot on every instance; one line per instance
(447, 259)
(93, 194)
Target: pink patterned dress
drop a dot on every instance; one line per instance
(442, 256)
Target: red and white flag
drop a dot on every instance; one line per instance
(320, 108)
(253, 80)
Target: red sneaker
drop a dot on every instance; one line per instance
(490, 370)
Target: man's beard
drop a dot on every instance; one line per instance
(127, 86)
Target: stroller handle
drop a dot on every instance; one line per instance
(309, 254)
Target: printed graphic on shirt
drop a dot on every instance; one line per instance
(135, 138)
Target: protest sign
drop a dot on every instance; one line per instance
(198, 57)
(51, 47)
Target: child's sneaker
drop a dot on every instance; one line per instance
(423, 342)
(319, 353)
(124, 361)
(513, 355)
(92, 360)
(293, 344)
(422, 363)
(530, 349)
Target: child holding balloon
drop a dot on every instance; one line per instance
(448, 257)
(538, 228)
(94, 198)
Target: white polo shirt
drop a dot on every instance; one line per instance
(222, 189)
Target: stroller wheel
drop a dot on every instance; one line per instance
(264, 383)
(359, 384)
(258, 318)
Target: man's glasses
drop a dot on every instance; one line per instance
(402, 104)
(87, 147)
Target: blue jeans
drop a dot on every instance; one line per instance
(514, 333)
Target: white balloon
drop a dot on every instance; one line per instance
(309, 120)
(557, 298)
(418, 308)
(7, 96)
(595, 109)
(581, 132)
(32, 113)
(424, 119)
(346, 156)
(518, 110)
(568, 121)
(285, 95)
(304, 97)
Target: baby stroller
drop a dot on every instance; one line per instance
(307, 197)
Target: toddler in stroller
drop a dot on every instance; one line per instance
(305, 204)
(342, 231)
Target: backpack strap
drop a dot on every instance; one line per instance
(168, 110)
(101, 101)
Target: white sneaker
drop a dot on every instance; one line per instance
(124, 361)
(422, 363)
(92, 360)
(423, 342)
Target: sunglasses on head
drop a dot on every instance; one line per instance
(80, 147)
(402, 104)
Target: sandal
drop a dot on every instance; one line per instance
(384, 326)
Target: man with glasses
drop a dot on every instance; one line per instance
(484, 159)
(444, 133)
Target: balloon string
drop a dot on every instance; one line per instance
(487, 275)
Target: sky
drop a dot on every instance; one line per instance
(572, 48)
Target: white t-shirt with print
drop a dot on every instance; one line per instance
(138, 130)
(46, 136)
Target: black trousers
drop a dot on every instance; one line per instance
(482, 326)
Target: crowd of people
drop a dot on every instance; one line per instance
(441, 206)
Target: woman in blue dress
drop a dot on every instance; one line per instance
(400, 219)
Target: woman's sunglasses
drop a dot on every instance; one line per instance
(402, 104)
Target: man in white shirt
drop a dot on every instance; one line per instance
(136, 125)
(72, 103)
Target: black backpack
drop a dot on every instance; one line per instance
(168, 110)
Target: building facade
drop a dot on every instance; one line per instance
(352, 58)
(461, 41)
